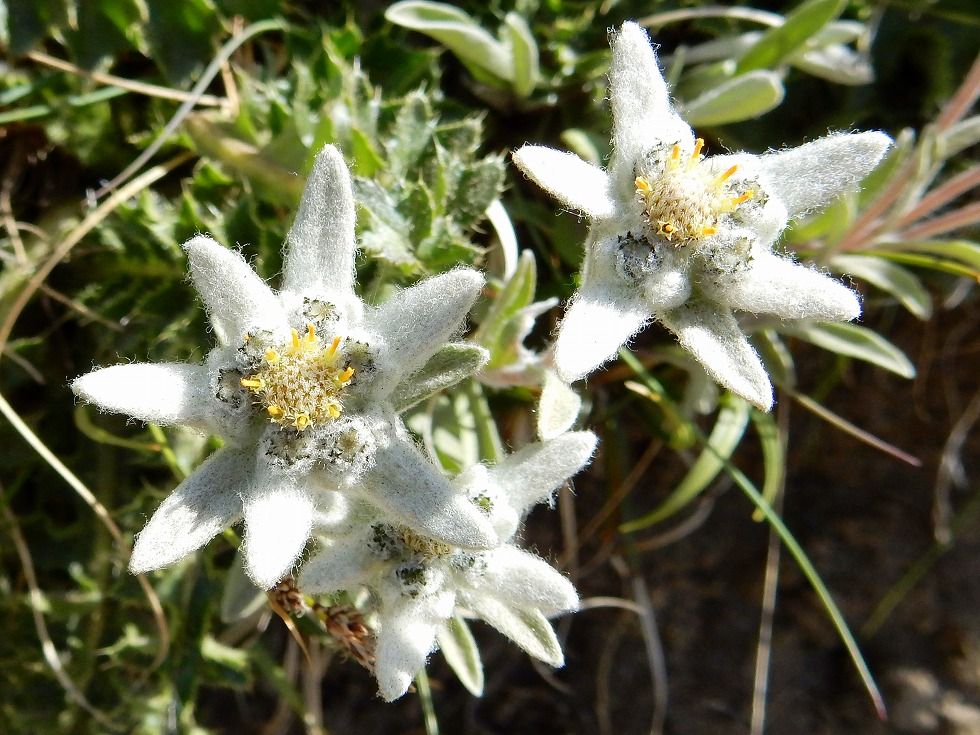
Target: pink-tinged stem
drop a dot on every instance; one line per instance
(941, 195)
(969, 215)
(961, 102)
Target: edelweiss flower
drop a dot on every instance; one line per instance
(300, 388)
(419, 582)
(688, 239)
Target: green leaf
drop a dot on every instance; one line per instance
(773, 458)
(477, 188)
(180, 35)
(733, 417)
(890, 278)
(455, 30)
(31, 20)
(743, 98)
(964, 251)
(524, 55)
(514, 296)
(855, 341)
(452, 364)
(412, 133)
(103, 29)
(462, 654)
(778, 43)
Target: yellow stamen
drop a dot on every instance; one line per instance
(642, 185)
(295, 336)
(698, 145)
(272, 356)
(709, 231)
(675, 152)
(253, 383)
(303, 420)
(310, 333)
(274, 412)
(725, 176)
(346, 375)
(333, 411)
(333, 346)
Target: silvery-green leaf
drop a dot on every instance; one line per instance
(516, 294)
(450, 365)
(477, 187)
(802, 24)
(524, 55)
(457, 31)
(889, 277)
(851, 340)
(959, 137)
(462, 654)
(743, 98)
(529, 629)
(240, 597)
(412, 133)
(836, 63)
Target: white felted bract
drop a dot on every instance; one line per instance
(558, 408)
(298, 387)
(341, 564)
(811, 176)
(597, 323)
(419, 320)
(529, 629)
(320, 244)
(165, 393)
(237, 300)
(714, 338)
(419, 582)
(200, 508)
(278, 520)
(410, 490)
(776, 285)
(682, 227)
(528, 581)
(574, 182)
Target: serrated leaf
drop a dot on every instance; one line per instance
(852, 340)
(778, 43)
(462, 654)
(743, 98)
(524, 55)
(410, 136)
(733, 417)
(451, 364)
(457, 31)
(890, 278)
(477, 188)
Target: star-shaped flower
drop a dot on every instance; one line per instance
(419, 583)
(300, 388)
(688, 239)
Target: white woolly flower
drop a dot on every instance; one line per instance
(419, 583)
(300, 388)
(687, 239)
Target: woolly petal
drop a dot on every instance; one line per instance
(641, 110)
(417, 321)
(410, 490)
(774, 285)
(765, 216)
(164, 393)
(575, 183)
(522, 580)
(342, 564)
(200, 508)
(597, 323)
(558, 407)
(532, 474)
(320, 245)
(810, 176)
(278, 520)
(529, 629)
(236, 299)
(712, 335)
(406, 636)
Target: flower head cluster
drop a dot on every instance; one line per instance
(301, 386)
(418, 583)
(688, 239)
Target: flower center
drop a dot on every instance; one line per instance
(682, 201)
(300, 383)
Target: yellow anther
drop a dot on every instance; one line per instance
(706, 231)
(274, 412)
(725, 176)
(272, 356)
(295, 336)
(346, 375)
(302, 420)
(253, 383)
(310, 333)
(334, 411)
(642, 185)
(333, 346)
(666, 229)
(698, 145)
(675, 152)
